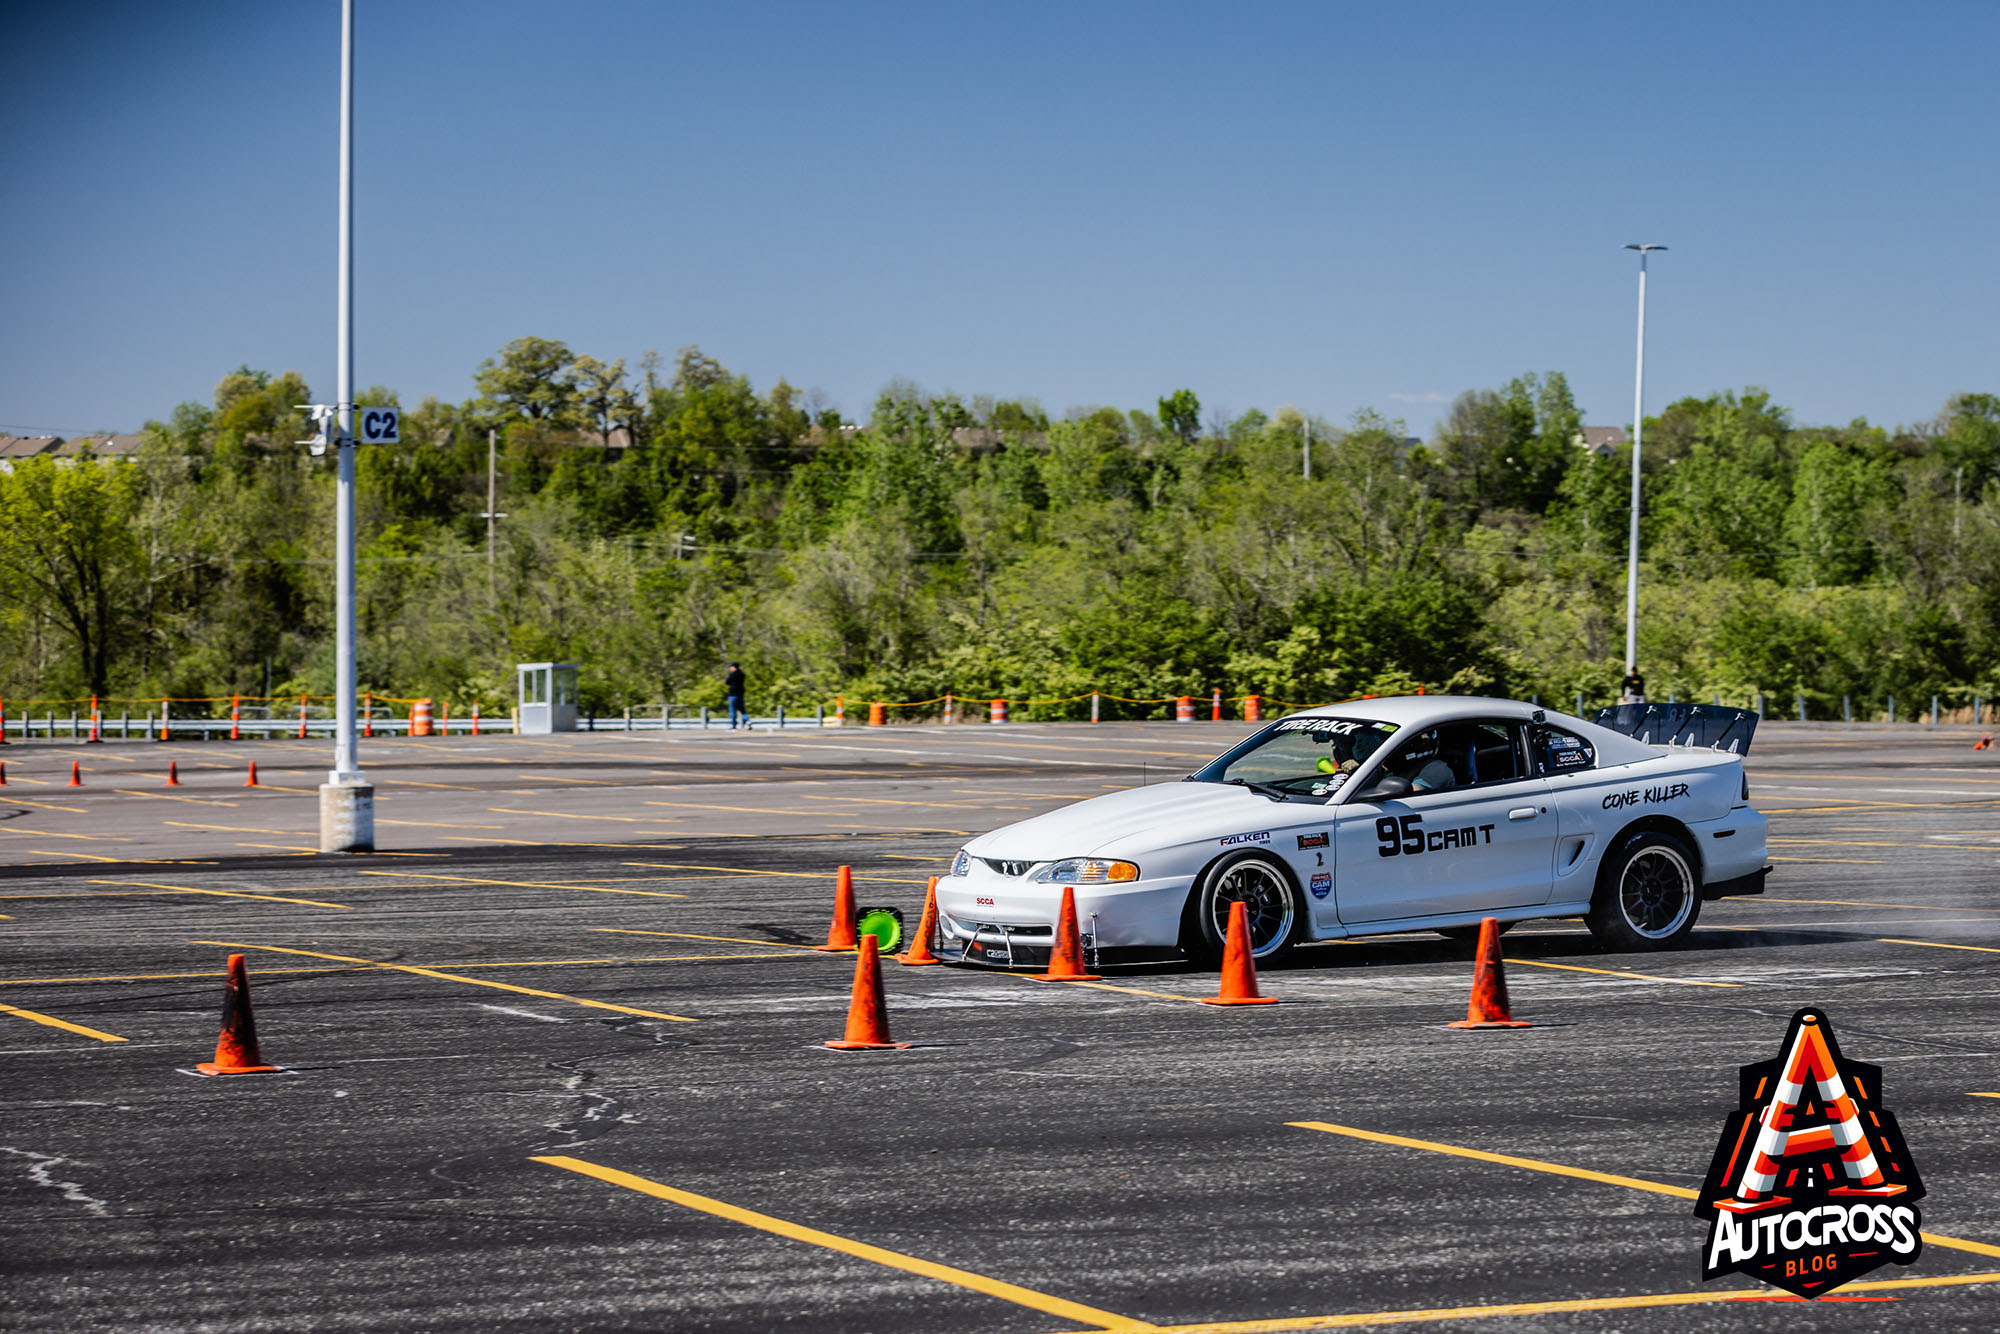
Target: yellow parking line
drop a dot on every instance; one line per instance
(1503, 1159)
(709, 806)
(688, 935)
(1941, 945)
(1359, 1319)
(64, 1024)
(1983, 1095)
(1583, 1173)
(168, 796)
(454, 977)
(794, 875)
(1868, 903)
(50, 833)
(224, 893)
(241, 829)
(48, 806)
(964, 1278)
(527, 884)
(559, 815)
(1613, 972)
(411, 782)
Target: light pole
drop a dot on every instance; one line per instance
(1631, 688)
(346, 799)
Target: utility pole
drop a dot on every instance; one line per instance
(492, 495)
(347, 798)
(1638, 430)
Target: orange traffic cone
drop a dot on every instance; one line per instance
(867, 1016)
(1066, 958)
(173, 773)
(75, 775)
(3, 775)
(1489, 1008)
(1985, 742)
(840, 935)
(919, 952)
(1239, 969)
(251, 781)
(236, 1050)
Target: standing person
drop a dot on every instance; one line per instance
(732, 685)
(1634, 686)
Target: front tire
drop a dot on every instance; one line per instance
(1648, 894)
(1261, 883)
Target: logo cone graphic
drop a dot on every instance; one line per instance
(1811, 1186)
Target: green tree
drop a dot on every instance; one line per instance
(1180, 413)
(1824, 530)
(67, 552)
(532, 378)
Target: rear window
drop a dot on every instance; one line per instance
(1560, 752)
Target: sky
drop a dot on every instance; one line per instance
(1338, 206)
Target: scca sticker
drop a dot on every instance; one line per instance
(1811, 1185)
(1308, 841)
(1322, 885)
(1231, 840)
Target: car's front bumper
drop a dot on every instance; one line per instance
(996, 919)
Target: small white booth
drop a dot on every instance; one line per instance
(548, 697)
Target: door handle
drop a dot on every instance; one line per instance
(1521, 813)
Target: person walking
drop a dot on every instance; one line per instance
(732, 685)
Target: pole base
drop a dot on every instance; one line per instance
(347, 817)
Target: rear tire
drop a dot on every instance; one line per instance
(1648, 894)
(1261, 883)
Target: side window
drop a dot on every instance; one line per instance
(1560, 752)
(1474, 753)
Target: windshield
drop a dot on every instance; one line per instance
(1303, 758)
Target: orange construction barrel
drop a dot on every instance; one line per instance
(420, 717)
(1253, 708)
(877, 715)
(1184, 709)
(998, 713)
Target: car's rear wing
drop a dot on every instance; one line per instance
(1708, 725)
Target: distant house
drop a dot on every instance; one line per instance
(1602, 441)
(118, 445)
(14, 448)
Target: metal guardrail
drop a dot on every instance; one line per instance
(123, 727)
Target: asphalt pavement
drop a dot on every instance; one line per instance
(552, 1058)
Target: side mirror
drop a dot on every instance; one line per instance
(1386, 788)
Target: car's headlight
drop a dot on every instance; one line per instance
(1086, 871)
(961, 865)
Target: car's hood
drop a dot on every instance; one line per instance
(1132, 821)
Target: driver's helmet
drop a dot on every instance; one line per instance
(1364, 744)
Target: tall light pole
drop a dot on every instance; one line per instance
(346, 799)
(1638, 429)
